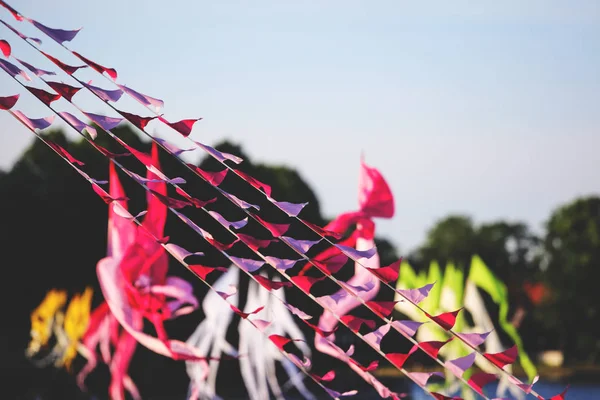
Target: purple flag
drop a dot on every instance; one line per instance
(59, 35)
(34, 123)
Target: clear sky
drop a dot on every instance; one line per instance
(489, 108)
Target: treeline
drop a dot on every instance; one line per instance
(53, 232)
(552, 277)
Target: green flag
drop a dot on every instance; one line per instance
(485, 280)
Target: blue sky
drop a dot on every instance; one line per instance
(489, 109)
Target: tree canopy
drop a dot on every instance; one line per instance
(571, 269)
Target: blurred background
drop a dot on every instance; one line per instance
(483, 119)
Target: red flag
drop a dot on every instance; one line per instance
(5, 48)
(445, 320)
(64, 90)
(503, 358)
(8, 102)
(69, 69)
(109, 71)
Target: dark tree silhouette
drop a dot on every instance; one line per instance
(571, 268)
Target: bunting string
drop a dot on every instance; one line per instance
(445, 321)
(226, 195)
(238, 262)
(396, 361)
(260, 325)
(184, 128)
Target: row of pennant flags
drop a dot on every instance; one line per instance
(134, 275)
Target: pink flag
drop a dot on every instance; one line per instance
(143, 99)
(109, 71)
(237, 201)
(355, 254)
(229, 224)
(281, 264)
(374, 338)
(297, 312)
(77, 124)
(374, 197)
(171, 148)
(416, 295)
(408, 327)
(328, 377)
(421, 378)
(180, 253)
(474, 339)
(524, 386)
(104, 94)
(301, 246)
(106, 123)
(460, 365)
(222, 157)
(260, 324)
(247, 264)
(291, 209)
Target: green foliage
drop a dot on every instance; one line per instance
(451, 239)
(512, 247)
(572, 271)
